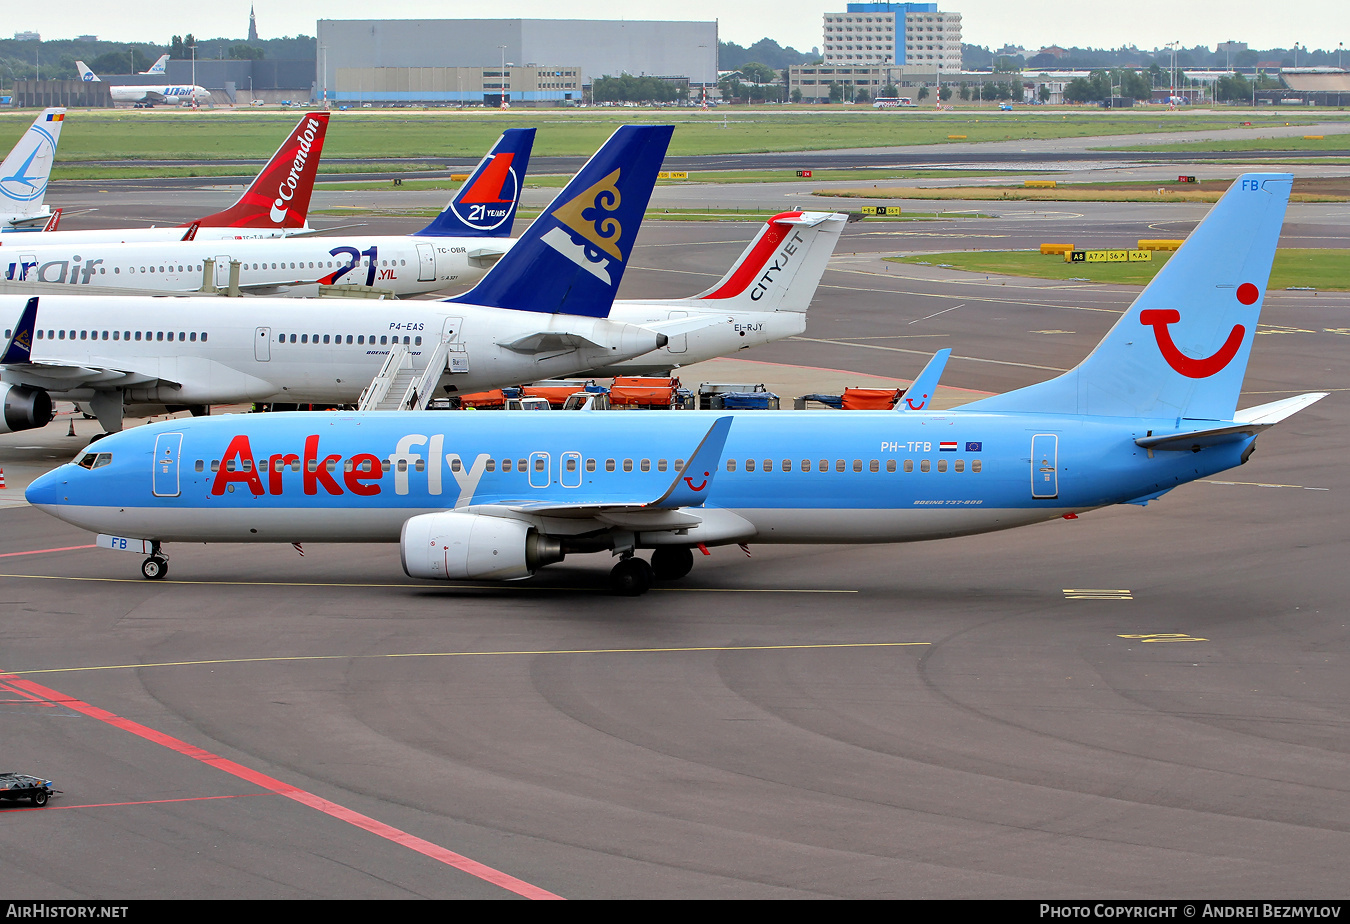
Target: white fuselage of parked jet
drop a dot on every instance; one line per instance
(167, 95)
(199, 351)
(403, 264)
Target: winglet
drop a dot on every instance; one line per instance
(918, 395)
(279, 197)
(571, 258)
(485, 205)
(691, 484)
(20, 346)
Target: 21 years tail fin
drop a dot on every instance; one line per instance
(279, 198)
(571, 258)
(485, 205)
(1181, 349)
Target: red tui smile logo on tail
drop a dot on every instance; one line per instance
(1160, 319)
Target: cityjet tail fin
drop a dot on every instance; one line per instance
(157, 68)
(919, 395)
(279, 197)
(86, 74)
(781, 268)
(24, 173)
(485, 205)
(1181, 349)
(571, 258)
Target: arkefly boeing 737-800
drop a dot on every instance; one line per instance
(480, 496)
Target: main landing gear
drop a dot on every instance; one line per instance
(156, 566)
(633, 577)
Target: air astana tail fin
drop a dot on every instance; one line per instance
(1181, 349)
(279, 198)
(24, 173)
(485, 205)
(571, 258)
(781, 268)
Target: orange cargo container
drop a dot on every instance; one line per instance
(556, 395)
(634, 391)
(871, 399)
(484, 399)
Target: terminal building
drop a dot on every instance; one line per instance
(480, 61)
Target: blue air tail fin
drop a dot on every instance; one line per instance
(24, 173)
(1181, 349)
(571, 258)
(485, 205)
(919, 395)
(20, 346)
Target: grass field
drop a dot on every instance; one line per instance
(1329, 142)
(1320, 269)
(103, 135)
(1306, 189)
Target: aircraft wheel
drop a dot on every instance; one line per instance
(154, 568)
(631, 577)
(40, 798)
(672, 562)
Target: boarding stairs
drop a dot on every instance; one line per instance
(398, 386)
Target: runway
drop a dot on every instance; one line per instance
(1140, 703)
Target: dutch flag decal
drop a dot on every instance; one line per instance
(947, 446)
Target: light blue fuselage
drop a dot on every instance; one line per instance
(1013, 469)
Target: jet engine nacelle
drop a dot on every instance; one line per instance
(468, 546)
(24, 408)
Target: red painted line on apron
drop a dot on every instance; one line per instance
(388, 832)
(69, 548)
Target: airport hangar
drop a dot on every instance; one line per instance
(457, 61)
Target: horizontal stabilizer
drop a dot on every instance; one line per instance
(1245, 424)
(549, 341)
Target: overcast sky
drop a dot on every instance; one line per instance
(1030, 23)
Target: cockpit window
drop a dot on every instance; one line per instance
(92, 460)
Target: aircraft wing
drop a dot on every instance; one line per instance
(153, 96)
(676, 508)
(21, 368)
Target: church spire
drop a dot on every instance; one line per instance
(252, 25)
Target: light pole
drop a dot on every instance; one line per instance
(503, 76)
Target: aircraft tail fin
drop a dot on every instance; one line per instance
(279, 197)
(919, 395)
(158, 67)
(25, 171)
(781, 268)
(86, 74)
(20, 346)
(1181, 349)
(572, 257)
(485, 206)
